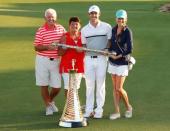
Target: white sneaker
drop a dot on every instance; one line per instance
(128, 113)
(98, 115)
(114, 116)
(88, 114)
(49, 111)
(53, 107)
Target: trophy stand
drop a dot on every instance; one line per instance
(72, 116)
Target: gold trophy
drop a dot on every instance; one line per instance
(72, 116)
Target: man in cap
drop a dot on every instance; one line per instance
(47, 59)
(95, 35)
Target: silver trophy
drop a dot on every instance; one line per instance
(72, 116)
(103, 52)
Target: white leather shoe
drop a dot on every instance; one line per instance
(49, 111)
(114, 116)
(128, 113)
(53, 106)
(98, 115)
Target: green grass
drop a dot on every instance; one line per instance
(21, 107)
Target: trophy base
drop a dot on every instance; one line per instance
(70, 124)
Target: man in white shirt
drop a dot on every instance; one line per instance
(95, 35)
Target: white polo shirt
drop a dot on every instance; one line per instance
(96, 37)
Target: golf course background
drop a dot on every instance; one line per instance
(148, 86)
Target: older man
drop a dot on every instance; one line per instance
(95, 35)
(47, 59)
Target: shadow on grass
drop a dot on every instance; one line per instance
(21, 104)
(15, 33)
(22, 107)
(32, 121)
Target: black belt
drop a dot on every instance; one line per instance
(93, 56)
(51, 59)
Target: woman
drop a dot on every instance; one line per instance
(121, 43)
(73, 38)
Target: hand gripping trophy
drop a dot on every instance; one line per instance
(72, 116)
